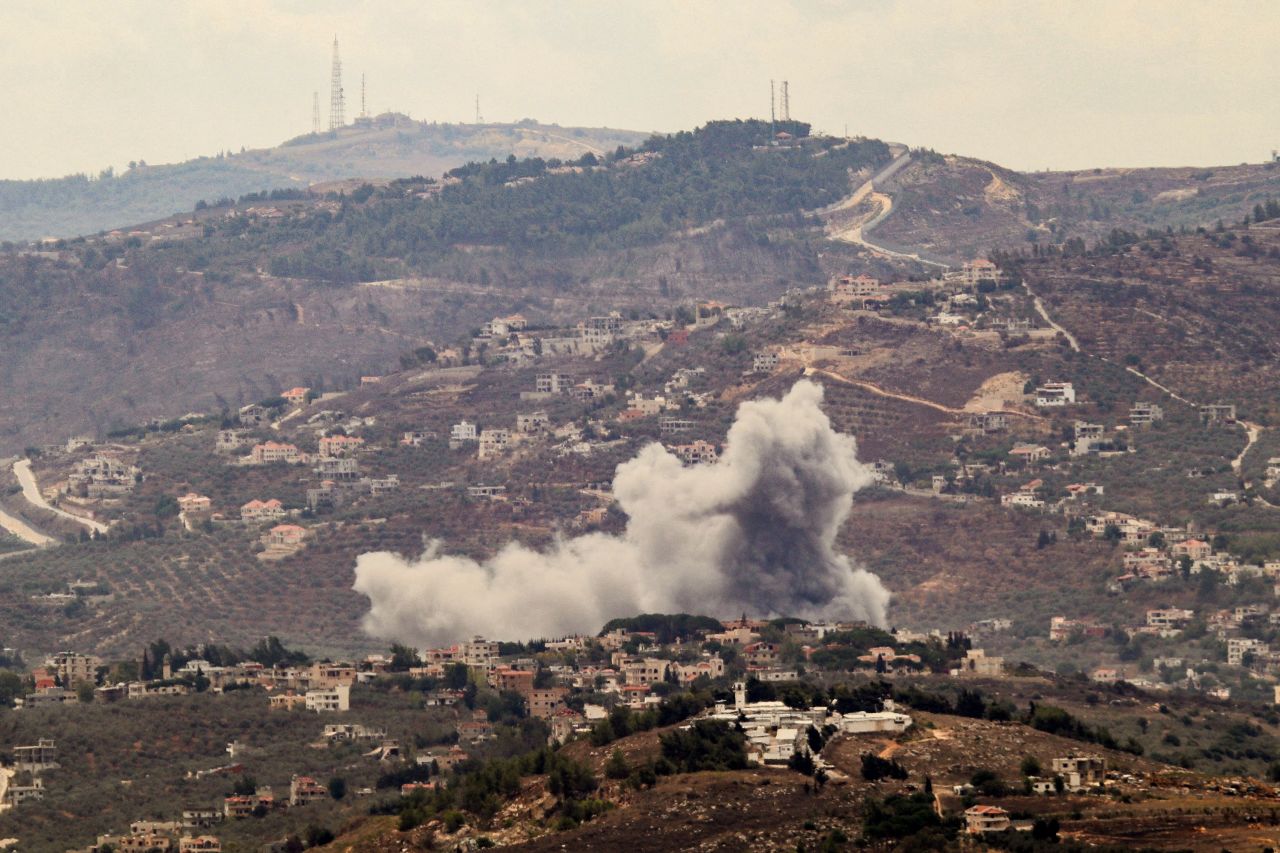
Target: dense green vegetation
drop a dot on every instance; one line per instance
(665, 627)
(724, 170)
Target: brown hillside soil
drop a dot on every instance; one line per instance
(746, 810)
(1197, 317)
(948, 564)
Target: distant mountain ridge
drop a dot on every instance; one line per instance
(388, 146)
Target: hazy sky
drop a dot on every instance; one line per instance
(1027, 84)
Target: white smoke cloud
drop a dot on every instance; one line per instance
(754, 532)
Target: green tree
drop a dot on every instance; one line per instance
(11, 687)
(616, 767)
(403, 658)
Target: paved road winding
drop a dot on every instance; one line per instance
(31, 491)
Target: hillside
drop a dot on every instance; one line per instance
(237, 302)
(773, 808)
(954, 208)
(383, 301)
(902, 382)
(385, 147)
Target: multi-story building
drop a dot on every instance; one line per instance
(275, 451)
(553, 383)
(494, 442)
(329, 699)
(696, 453)
(1145, 414)
(600, 331)
(304, 790)
(1055, 394)
(72, 668)
(1080, 771)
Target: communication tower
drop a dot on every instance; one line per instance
(336, 101)
(479, 118)
(786, 102)
(315, 112)
(364, 112)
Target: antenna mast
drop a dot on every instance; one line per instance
(335, 91)
(479, 118)
(786, 102)
(364, 112)
(315, 112)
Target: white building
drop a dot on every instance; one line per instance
(460, 433)
(332, 699)
(1055, 394)
(764, 362)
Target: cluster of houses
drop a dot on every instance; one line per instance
(1070, 774)
(776, 732)
(180, 836)
(1226, 624)
(102, 475)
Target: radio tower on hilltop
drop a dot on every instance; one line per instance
(335, 91)
(315, 112)
(786, 102)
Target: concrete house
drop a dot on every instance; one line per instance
(297, 396)
(340, 445)
(1218, 413)
(533, 422)
(1055, 394)
(1079, 772)
(696, 453)
(460, 433)
(329, 700)
(285, 534)
(979, 820)
(1145, 414)
(304, 790)
(275, 451)
(1030, 453)
(494, 442)
(191, 502)
(256, 511)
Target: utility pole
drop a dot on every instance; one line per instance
(773, 118)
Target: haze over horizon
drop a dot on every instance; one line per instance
(1029, 86)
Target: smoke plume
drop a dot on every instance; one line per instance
(754, 532)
